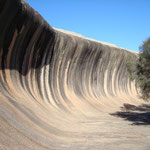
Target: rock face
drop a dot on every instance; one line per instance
(57, 89)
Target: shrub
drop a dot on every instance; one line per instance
(143, 70)
(139, 70)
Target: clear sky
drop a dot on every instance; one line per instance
(125, 23)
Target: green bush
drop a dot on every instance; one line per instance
(139, 70)
(143, 70)
(131, 67)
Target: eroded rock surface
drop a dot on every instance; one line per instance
(60, 90)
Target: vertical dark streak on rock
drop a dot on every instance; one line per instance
(52, 82)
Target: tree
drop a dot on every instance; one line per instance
(139, 70)
(143, 70)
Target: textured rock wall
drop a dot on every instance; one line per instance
(51, 80)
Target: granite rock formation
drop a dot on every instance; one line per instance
(57, 88)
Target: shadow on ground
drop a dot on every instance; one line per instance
(138, 115)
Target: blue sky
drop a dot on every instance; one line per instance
(125, 23)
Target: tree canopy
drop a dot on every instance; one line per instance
(139, 70)
(143, 70)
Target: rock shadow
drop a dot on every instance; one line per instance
(138, 115)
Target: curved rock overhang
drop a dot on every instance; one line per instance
(54, 85)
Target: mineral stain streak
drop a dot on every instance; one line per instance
(58, 88)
